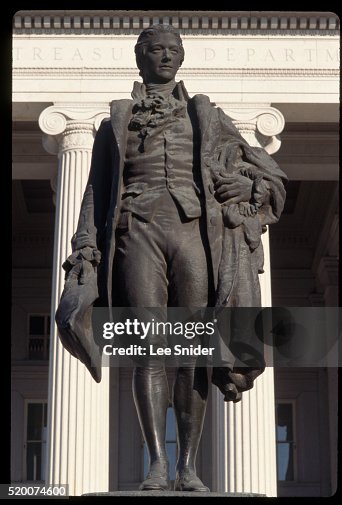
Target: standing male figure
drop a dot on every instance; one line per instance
(173, 189)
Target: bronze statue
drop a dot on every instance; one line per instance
(172, 215)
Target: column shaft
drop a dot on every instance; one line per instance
(78, 407)
(244, 442)
(244, 433)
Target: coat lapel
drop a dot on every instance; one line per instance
(120, 113)
(203, 108)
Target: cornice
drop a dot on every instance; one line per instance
(201, 22)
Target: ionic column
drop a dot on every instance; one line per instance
(327, 273)
(78, 407)
(244, 448)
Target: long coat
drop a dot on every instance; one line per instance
(234, 239)
(230, 253)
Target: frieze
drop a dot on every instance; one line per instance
(207, 53)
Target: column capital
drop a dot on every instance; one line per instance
(259, 124)
(71, 126)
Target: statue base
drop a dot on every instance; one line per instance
(161, 494)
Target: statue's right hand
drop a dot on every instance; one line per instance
(81, 265)
(81, 272)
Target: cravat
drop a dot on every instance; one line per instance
(150, 113)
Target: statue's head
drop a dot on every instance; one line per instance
(159, 53)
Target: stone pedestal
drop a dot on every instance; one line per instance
(174, 494)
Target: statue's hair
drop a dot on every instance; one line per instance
(145, 36)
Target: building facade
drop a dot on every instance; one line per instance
(277, 76)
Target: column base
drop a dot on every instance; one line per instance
(161, 494)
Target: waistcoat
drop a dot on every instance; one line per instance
(166, 160)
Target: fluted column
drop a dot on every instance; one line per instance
(78, 407)
(327, 273)
(244, 448)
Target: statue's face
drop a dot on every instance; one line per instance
(162, 59)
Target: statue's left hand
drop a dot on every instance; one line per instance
(233, 188)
